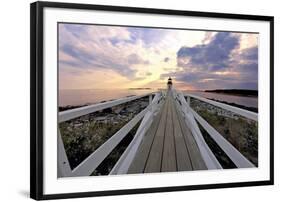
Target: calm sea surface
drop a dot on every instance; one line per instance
(81, 97)
(241, 100)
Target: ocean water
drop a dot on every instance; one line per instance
(91, 96)
(241, 100)
(81, 97)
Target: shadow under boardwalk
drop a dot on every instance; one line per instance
(168, 145)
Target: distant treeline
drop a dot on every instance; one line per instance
(241, 92)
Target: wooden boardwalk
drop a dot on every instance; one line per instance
(168, 145)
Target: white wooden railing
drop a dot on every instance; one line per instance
(191, 115)
(236, 110)
(87, 166)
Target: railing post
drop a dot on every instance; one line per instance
(87, 166)
(95, 159)
(64, 169)
(124, 162)
(242, 112)
(149, 102)
(188, 100)
(74, 113)
(150, 98)
(208, 157)
(236, 157)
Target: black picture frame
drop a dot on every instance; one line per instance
(36, 97)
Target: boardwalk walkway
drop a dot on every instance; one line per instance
(168, 145)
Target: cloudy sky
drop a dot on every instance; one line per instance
(108, 57)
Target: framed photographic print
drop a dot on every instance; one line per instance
(136, 100)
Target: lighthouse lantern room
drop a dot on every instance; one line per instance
(169, 83)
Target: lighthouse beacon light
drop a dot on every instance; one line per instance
(169, 83)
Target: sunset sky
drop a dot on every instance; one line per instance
(109, 57)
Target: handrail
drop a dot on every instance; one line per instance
(64, 169)
(93, 161)
(207, 155)
(124, 162)
(87, 166)
(242, 112)
(74, 113)
(236, 157)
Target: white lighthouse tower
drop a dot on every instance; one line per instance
(169, 83)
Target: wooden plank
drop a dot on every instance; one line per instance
(138, 163)
(182, 155)
(153, 163)
(207, 155)
(169, 163)
(123, 164)
(193, 150)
